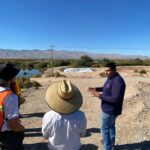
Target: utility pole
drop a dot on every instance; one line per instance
(52, 59)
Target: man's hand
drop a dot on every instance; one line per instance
(90, 89)
(94, 93)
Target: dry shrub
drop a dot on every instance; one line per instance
(142, 71)
(25, 82)
(57, 74)
(102, 74)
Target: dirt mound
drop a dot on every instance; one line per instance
(134, 124)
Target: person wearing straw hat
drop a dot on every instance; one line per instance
(64, 124)
(11, 129)
(112, 96)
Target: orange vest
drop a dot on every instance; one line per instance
(3, 94)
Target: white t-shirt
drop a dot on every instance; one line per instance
(64, 131)
(11, 109)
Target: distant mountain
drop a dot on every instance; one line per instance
(60, 54)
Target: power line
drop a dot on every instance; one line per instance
(102, 48)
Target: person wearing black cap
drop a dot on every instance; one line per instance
(11, 129)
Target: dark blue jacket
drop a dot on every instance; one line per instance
(112, 95)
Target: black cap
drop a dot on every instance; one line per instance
(8, 71)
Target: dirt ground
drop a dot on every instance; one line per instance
(133, 126)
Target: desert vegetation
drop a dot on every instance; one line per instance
(84, 61)
(26, 83)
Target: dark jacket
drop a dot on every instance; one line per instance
(112, 95)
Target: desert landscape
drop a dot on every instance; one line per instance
(133, 126)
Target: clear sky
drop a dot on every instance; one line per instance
(99, 26)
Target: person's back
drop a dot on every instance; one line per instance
(64, 124)
(71, 126)
(12, 131)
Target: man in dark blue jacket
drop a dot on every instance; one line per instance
(111, 95)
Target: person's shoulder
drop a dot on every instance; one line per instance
(11, 98)
(119, 79)
(118, 76)
(51, 112)
(51, 115)
(79, 113)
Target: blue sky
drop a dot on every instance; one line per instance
(99, 26)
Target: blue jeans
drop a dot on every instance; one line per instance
(108, 130)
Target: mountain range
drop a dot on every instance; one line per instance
(60, 54)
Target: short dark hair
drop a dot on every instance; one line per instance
(111, 65)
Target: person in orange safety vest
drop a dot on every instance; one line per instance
(11, 128)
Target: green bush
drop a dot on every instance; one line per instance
(42, 65)
(84, 61)
(103, 62)
(61, 62)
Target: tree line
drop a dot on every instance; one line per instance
(84, 61)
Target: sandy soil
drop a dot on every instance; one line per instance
(133, 126)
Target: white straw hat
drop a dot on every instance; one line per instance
(64, 97)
